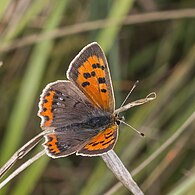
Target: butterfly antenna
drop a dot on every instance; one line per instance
(140, 133)
(134, 86)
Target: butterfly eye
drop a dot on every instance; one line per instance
(119, 119)
(118, 122)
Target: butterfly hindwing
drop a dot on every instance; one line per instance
(89, 71)
(63, 144)
(62, 103)
(101, 143)
(60, 145)
(68, 140)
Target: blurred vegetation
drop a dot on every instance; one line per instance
(38, 41)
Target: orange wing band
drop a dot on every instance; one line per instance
(47, 108)
(103, 140)
(52, 144)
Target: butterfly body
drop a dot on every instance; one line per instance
(97, 123)
(80, 110)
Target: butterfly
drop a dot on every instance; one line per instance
(78, 115)
(80, 110)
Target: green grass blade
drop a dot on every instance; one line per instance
(28, 91)
(186, 186)
(3, 5)
(30, 176)
(28, 16)
(118, 11)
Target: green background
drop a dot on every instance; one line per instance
(39, 39)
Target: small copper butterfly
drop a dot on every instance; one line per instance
(78, 115)
(80, 110)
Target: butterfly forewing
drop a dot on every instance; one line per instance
(89, 71)
(62, 103)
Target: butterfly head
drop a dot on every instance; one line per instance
(121, 119)
(118, 119)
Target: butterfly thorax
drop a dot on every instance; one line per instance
(95, 123)
(98, 122)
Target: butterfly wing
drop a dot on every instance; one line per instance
(65, 141)
(90, 73)
(87, 142)
(60, 145)
(61, 104)
(62, 108)
(101, 143)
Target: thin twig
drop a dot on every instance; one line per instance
(22, 167)
(148, 98)
(165, 145)
(116, 166)
(22, 152)
(111, 160)
(189, 121)
(98, 24)
(134, 86)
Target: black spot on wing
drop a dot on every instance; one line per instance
(95, 144)
(87, 75)
(85, 84)
(45, 101)
(93, 74)
(48, 94)
(101, 80)
(103, 90)
(108, 136)
(105, 143)
(94, 66)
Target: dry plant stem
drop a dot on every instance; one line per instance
(166, 144)
(148, 98)
(21, 153)
(22, 167)
(111, 160)
(116, 166)
(89, 26)
(159, 151)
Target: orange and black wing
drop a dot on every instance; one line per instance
(66, 140)
(89, 71)
(62, 104)
(101, 143)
